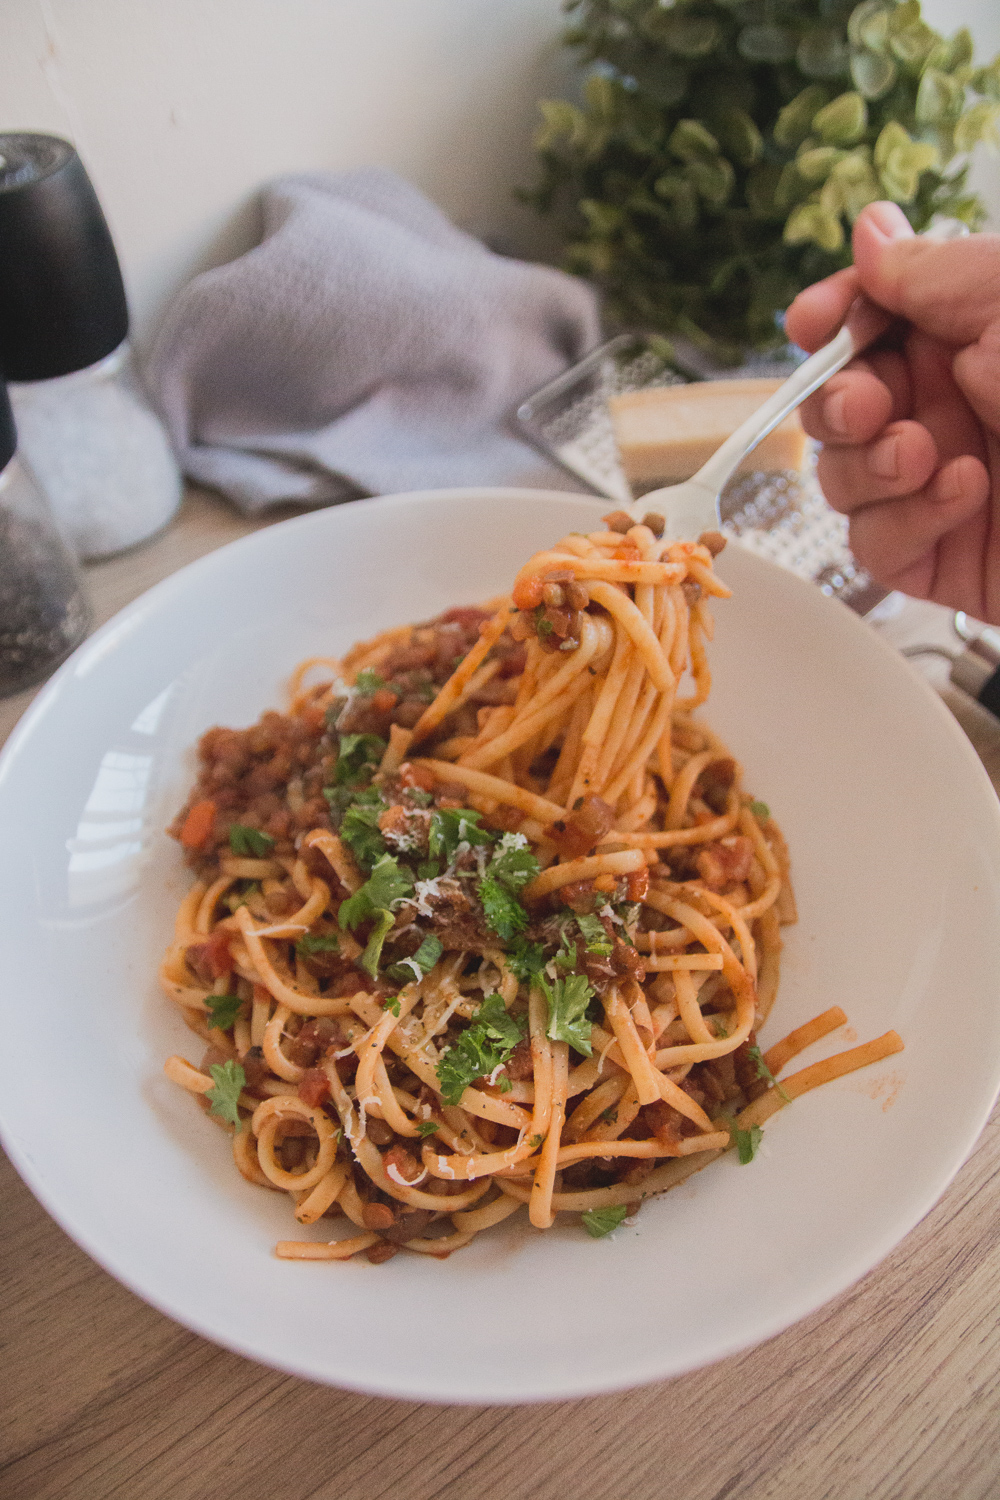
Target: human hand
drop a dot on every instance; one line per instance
(911, 434)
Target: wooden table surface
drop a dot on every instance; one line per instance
(893, 1390)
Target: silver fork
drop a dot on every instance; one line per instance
(692, 507)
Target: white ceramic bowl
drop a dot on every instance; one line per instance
(895, 838)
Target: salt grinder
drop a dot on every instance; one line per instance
(42, 610)
(85, 428)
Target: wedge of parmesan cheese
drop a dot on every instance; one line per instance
(665, 435)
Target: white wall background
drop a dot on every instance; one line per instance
(181, 108)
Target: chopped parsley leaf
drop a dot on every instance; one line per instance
(594, 935)
(368, 682)
(568, 1000)
(484, 1046)
(565, 955)
(763, 1071)
(357, 758)
(600, 1221)
(513, 863)
(747, 1142)
(318, 942)
(503, 912)
(419, 796)
(428, 869)
(241, 895)
(609, 1116)
(420, 963)
(250, 843)
(359, 828)
(526, 960)
(536, 1141)
(426, 1127)
(761, 811)
(223, 1010)
(229, 1078)
(392, 1004)
(451, 826)
(377, 900)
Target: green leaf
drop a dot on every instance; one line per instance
(794, 122)
(451, 826)
(250, 843)
(368, 682)
(513, 863)
(763, 1071)
(761, 811)
(713, 181)
(737, 134)
(872, 73)
(483, 1047)
(229, 1078)
(427, 1127)
(391, 1004)
(812, 222)
(868, 24)
(408, 970)
(815, 165)
(843, 121)
(359, 827)
(595, 935)
(241, 895)
(601, 1221)
(979, 123)
(318, 942)
(223, 1010)
(358, 756)
(823, 53)
(381, 927)
(940, 98)
(525, 960)
(567, 1001)
(766, 43)
(747, 1142)
(503, 912)
(388, 885)
(690, 141)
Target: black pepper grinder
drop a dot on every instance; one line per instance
(86, 428)
(43, 615)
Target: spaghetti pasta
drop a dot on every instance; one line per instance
(488, 919)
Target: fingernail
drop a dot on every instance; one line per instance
(883, 459)
(949, 485)
(889, 220)
(833, 413)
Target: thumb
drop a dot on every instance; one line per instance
(948, 289)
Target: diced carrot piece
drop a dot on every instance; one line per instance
(198, 825)
(528, 592)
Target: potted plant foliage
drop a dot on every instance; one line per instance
(723, 148)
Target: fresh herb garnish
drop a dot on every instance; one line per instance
(536, 1141)
(600, 1221)
(386, 887)
(513, 865)
(484, 1046)
(594, 935)
(318, 942)
(565, 955)
(391, 1004)
(368, 682)
(451, 826)
(763, 1071)
(359, 827)
(609, 1116)
(568, 1000)
(428, 869)
(250, 843)
(229, 1078)
(241, 895)
(357, 758)
(542, 625)
(526, 960)
(747, 1142)
(419, 796)
(419, 964)
(223, 1010)
(761, 811)
(426, 1127)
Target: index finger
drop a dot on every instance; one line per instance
(818, 312)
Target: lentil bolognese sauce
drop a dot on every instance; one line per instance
(487, 919)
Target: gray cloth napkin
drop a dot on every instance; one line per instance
(366, 345)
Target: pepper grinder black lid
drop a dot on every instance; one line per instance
(62, 300)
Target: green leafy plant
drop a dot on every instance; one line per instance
(723, 148)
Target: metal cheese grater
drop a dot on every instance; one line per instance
(781, 516)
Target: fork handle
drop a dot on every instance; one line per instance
(863, 325)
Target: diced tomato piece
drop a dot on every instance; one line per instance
(528, 592)
(637, 885)
(314, 1087)
(198, 825)
(385, 700)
